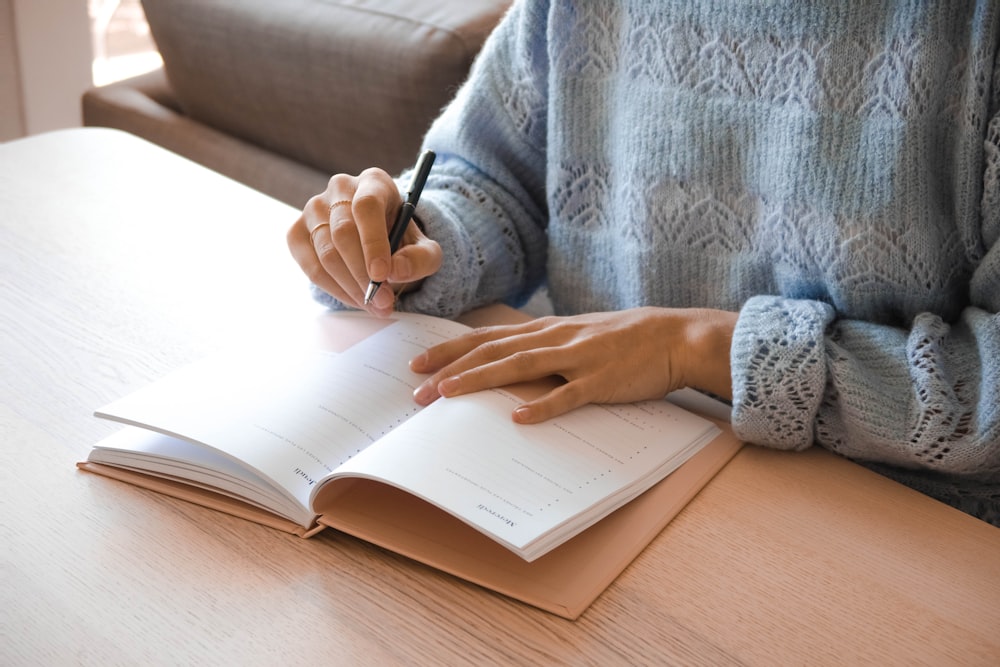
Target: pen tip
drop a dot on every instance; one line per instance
(370, 292)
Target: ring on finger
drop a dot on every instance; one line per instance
(340, 202)
(312, 231)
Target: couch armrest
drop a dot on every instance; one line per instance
(145, 106)
(335, 85)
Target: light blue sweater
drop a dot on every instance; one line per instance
(829, 170)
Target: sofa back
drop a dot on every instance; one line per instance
(336, 85)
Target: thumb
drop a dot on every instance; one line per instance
(419, 258)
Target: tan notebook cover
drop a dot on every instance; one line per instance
(564, 582)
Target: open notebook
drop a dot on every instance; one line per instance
(329, 436)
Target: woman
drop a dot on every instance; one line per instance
(795, 206)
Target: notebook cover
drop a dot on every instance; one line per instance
(198, 496)
(564, 581)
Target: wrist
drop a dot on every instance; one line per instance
(709, 337)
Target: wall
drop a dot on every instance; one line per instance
(45, 64)
(11, 112)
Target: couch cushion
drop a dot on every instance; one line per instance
(338, 85)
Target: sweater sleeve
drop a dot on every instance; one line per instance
(484, 202)
(924, 399)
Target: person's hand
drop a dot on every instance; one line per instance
(617, 357)
(341, 241)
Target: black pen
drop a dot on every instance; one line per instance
(405, 212)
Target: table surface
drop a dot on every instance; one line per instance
(121, 261)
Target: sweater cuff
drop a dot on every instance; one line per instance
(778, 360)
(448, 292)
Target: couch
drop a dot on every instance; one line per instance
(280, 94)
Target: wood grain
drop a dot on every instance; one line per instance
(121, 262)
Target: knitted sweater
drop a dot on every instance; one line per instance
(829, 170)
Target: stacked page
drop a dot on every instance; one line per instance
(330, 435)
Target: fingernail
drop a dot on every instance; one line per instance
(522, 414)
(425, 393)
(418, 362)
(378, 269)
(383, 299)
(450, 386)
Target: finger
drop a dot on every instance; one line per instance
(415, 261)
(376, 202)
(338, 247)
(559, 401)
(301, 244)
(488, 341)
(330, 251)
(334, 267)
(471, 373)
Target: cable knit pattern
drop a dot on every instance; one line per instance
(829, 170)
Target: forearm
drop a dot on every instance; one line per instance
(710, 338)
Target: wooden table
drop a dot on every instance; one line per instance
(121, 261)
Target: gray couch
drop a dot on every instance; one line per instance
(280, 94)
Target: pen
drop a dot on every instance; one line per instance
(405, 212)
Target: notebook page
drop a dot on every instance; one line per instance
(293, 419)
(520, 482)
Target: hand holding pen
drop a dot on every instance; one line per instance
(344, 243)
(406, 212)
